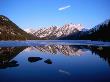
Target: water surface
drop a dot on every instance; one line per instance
(56, 62)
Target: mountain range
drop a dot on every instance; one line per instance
(55, 32)
(10, 31)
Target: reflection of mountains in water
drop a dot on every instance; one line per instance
(68, 50)
(56, 49)
(7, 54)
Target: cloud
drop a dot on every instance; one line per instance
(65, 7)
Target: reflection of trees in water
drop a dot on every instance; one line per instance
(12, 63)
(7, 54)
(103, 52)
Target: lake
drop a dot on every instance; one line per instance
(54, 61)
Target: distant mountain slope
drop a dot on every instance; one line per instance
(99, 32)
(10, 31)
(55, 32)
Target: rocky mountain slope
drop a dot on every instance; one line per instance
(10, 31)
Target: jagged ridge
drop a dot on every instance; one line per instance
(55, 32)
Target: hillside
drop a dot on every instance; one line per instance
(10, 31)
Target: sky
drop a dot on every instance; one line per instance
(44, 13)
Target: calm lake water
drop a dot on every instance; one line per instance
(57, 62)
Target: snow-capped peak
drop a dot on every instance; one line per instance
(77, 26)
(30, 30)
(55, 32)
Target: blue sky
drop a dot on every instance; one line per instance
(44, 13)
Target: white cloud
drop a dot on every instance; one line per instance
(65, 7)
